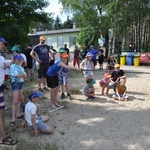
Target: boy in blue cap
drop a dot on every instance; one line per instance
(37, 123)
(89, 90)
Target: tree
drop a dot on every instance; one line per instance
(17, 18)
(68, 23)
(57, 23)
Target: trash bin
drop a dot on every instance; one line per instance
(117, 59)
(122, 60)
(136, 60)
(129, 60)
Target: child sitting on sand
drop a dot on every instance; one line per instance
(89, 90)
(104, 83)
(120, 93)
(37, 123)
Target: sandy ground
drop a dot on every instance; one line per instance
(100, 124)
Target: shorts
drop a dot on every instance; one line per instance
(6, 77)
(121, 95)
(42, 70)
(29, 65)
(112, 85)
(2, 102)
(52, 81)
(63, 78)
(42, 126)
(94, 62)
(88, 74)
(17, 86)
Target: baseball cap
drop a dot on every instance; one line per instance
(15, 48)
(36, 94)
(107, 75)
(64, 55)
(18, 56)
(90, 81)
(3, 40)
(117, 66)
(89, 54)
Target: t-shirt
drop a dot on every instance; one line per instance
(94, 52)
(7, 69)
(27, 54)
(2, 70)
(101, 51)
(30, 109)
(84, 52)
(67, 50)
(76, 53)
(116, 74)
(42, 51)
(55, 69)
(14, 71)
(86, 88)
(112, 63)
(87, 65)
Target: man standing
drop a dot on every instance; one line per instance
(5, 138)
(42, 57)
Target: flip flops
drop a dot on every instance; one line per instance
(9, 141)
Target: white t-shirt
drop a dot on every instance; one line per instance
(30, 109)
(2, 70)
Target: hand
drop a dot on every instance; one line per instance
(39, 61)
(36, 132)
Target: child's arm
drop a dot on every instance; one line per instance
(36, 131)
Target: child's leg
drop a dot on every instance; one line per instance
(45, 118)
(52, 96)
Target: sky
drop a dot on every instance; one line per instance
(56, 8)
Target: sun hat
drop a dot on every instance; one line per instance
(62, 50)
(36, 94)
(16, 48)
(89, 54)
(3, 40)
(107, 75)
(18, 57)
(117, 66)
(90, 81)
(64, 55)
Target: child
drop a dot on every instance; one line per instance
(89, 90)
(36, 122)
(87, 64)
(104, 83)
(17, 75)
(63, 79)
(52, 77)
(110, 63)
(120, 93)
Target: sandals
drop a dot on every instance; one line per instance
(9, 141)
(12, 123)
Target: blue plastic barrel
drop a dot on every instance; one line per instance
(129, 60)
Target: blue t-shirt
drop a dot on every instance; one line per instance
(94, 52)
(42, 51)
(55, 69)
(14, 71)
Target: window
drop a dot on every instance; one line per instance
(72, 41)
(49, 41)
(60, 41)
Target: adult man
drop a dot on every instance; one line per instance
(42, 57)
(117, 77)
(5, 138)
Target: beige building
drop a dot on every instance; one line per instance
(57, 38)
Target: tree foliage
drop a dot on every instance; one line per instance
(17, 18)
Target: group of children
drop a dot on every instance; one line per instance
(111, 79)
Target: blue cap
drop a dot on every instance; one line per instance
(36, 94)
(3, 40)
(18, 56)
